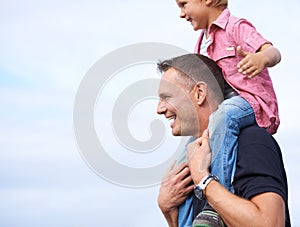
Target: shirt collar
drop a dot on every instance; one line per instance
(222, 20)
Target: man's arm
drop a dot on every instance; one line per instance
(266, 209)
(174, 189)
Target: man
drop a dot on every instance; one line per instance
(191, 89)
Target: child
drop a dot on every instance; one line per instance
(243, 54)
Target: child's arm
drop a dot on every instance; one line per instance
(253, 63)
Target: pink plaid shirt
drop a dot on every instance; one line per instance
(227, 32)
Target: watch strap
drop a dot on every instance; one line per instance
(206, 180)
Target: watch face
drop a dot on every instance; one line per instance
(198, 192)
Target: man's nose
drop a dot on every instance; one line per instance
(161, 108)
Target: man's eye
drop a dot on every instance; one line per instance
(165, 97)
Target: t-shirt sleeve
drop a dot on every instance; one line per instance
(247, 36)
(259, 166)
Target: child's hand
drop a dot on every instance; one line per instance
(252, 63)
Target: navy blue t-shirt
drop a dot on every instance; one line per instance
(259, 168)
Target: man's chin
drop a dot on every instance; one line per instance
(176, 134)
(183, 133)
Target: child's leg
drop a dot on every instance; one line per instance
(208, 217)
(225, 124)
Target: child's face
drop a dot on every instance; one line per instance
(194, 11)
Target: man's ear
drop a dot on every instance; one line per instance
(200, 92)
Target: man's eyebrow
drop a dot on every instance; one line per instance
(163, 94)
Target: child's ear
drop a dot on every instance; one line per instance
(209, 2)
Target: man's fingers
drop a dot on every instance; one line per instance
(172, 166)
(176, 172)
(205, 134)
(169, 171)
(183, 174)
(192, 147)
(187, 181)
(204, 138)
(179, 168)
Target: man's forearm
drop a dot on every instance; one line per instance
(266, 209)
(171, 217)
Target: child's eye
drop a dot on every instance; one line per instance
(181, 4)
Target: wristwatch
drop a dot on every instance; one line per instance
(199, 188)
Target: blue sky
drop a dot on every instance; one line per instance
(46, 48)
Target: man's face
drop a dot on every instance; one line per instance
(178, 105)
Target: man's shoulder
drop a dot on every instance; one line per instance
(258, 139)
(253, 128)
(257, 136)
(254, 132)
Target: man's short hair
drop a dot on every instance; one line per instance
(196, 68)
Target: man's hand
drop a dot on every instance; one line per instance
(252, 64)
(175, 187)
(199, 157)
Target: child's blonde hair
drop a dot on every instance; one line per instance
(218, 3)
